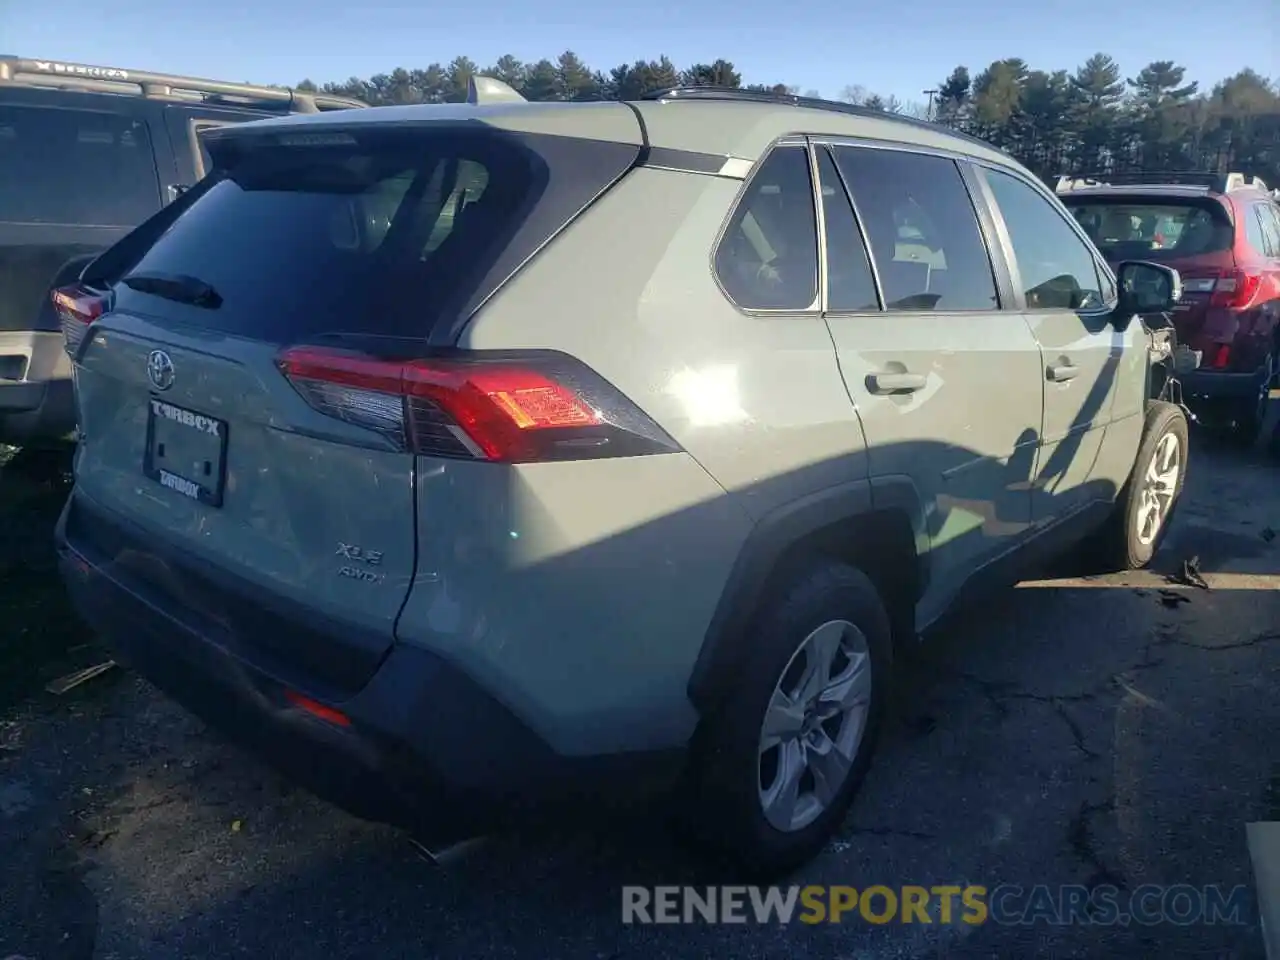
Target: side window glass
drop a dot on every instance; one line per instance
(1269, 214)
(768, 257)
(924, 234)
(1253, 229)
(75, 167)
(1058, 269)
(1273, 212)
(850, 286)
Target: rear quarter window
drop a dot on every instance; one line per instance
(381, 232)
(767, 258)
(75, 167)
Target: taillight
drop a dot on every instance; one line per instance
(509, 408)
(1235, 289)
(77, 307)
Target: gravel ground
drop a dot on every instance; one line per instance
(1079, 731)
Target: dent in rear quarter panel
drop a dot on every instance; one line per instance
(578, 593)
(757, 400)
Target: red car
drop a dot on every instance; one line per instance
(1222, 234)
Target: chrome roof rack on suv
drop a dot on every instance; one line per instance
(1213, 182)
(162, 86)
(810, 103)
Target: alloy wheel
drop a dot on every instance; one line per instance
(814, 725)
(1159, 487)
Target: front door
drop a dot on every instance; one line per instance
(947, 383)
(1089, 360)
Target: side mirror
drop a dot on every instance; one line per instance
(1147, 287)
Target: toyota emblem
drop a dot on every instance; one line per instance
(160, 370)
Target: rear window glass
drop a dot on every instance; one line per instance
(1127, 230)
(75, 167)
(371, 232)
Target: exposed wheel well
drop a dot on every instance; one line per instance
(880, 543)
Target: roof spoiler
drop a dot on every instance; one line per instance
(482, 90)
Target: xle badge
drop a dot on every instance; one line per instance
(359, 562)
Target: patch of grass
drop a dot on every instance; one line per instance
(37, 625)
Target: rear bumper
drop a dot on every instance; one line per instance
(425, 747)
(38, 402)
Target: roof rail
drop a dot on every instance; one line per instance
(163, 86)
(809, 103)
(1213, 182)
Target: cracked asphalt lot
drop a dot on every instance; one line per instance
(1071, 732)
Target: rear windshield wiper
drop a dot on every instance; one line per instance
(176, 287)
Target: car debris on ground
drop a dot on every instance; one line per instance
(72, 680)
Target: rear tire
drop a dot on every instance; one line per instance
(1149, 499)
(1251, 420)
(777, 765)
(1266, 434)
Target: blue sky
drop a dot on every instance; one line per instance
(897, 48)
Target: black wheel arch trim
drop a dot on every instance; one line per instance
(768, 541)
(899, 492)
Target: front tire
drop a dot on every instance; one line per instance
(1149, 498)
(778, 764)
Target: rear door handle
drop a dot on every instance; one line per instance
(895, 382)
(1062, 372)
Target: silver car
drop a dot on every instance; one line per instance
(471, 461)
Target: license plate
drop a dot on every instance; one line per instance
(186, 451)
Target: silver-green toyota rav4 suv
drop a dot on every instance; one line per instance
(468, 460)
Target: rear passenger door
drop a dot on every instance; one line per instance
(946, 382)
(1087, 357)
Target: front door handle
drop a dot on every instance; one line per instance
(1062, 372)
(895, 382)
